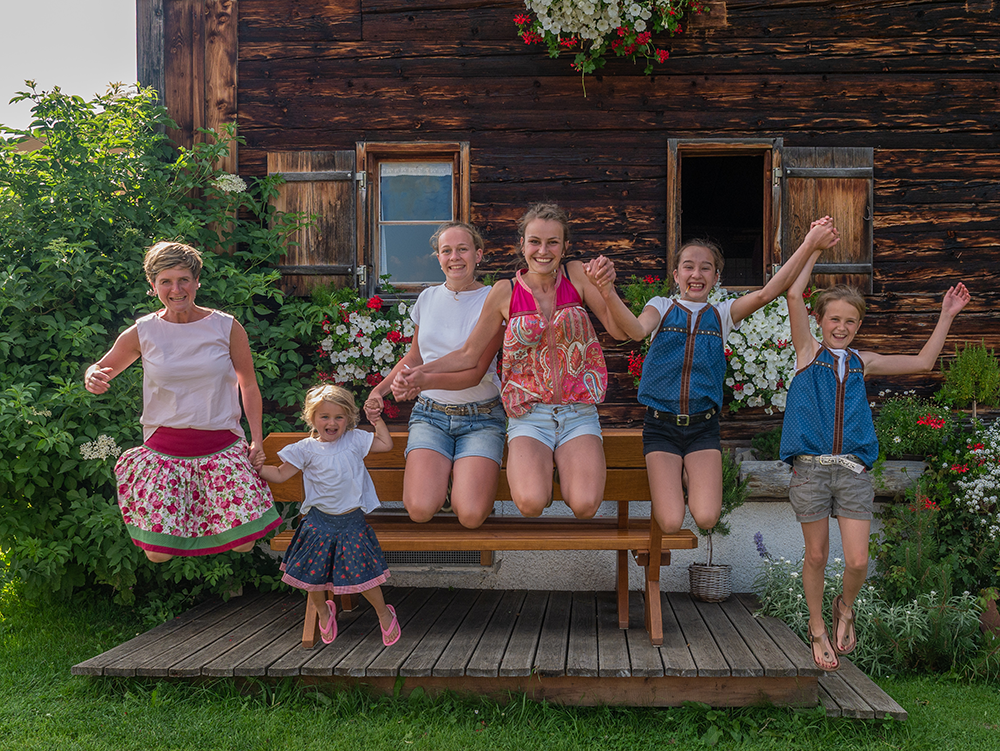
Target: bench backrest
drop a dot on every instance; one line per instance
(622, 452)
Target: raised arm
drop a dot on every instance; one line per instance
(593, 294)
(875, 364)
(382, 441)
(822, 235)
(637, 328)
(803, 340)
(410, 360)
(403, 390)
(124, 352)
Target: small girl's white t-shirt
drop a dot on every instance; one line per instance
(662, 304)
(333, 473)
(445, 323)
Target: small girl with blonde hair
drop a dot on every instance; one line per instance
(334, 550)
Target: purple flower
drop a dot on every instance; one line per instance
(761, 550)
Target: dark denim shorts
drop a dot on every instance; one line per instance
(660, 435)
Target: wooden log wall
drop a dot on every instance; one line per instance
(917, 80)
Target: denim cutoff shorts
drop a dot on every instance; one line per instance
(479, 433)
(555, 424)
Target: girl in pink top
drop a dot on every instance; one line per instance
(553, 368)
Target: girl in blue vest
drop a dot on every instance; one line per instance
(683, 373)
(829, 439)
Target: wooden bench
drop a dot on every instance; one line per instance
(626, 483)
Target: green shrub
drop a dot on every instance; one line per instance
(909, 425)
(973, 377)
(767, 445)
(75, 218)
(933, 631)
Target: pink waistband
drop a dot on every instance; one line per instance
(190, 442)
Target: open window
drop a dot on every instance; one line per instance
(756, 198)
(374, 210)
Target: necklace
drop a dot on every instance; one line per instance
(467, 287)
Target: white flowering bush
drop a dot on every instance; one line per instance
(979, 480)
(102, 448)
(364, 339)
(593, 29)
(760, 356)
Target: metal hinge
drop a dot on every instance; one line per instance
(361, 178)
(362, 273)
(776, 175)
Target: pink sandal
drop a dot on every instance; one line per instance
(387, 639)
(329, 633)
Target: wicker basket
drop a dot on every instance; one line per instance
(710, 583)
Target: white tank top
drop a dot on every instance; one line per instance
(188, 378)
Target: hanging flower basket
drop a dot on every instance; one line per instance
(591, 30)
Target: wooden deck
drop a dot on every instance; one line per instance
(564, 647)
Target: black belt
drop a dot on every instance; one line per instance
(681, 421)
(459, 409)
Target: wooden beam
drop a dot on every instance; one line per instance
(149, 40)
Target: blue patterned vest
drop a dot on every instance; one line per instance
(824, 415)
(684, 369)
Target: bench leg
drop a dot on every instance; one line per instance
(657, 557)
(348, 603)
(622, 585)
(310, 629)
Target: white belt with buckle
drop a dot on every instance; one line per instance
(843, 460)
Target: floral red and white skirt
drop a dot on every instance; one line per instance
(193, 492)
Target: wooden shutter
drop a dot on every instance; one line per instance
(322, 185)
(835, 181)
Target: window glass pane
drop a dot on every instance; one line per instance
(415, 191)
(406, 253)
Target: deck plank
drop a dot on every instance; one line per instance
(252, 619)
(707, 656)
(851, 705)
(463, 644)
(828, 703)
(676, 655)
(519, 658)
(612, 648)
(739, 657)
(392, 658)
(644, 658)
(881, 703)
(425, 655)
(796, 650)
(156, 661)
(581, 653)
(355, 663)
(120, 654)
(265, 648)
(295, 656)
(768, 654)
(486, 658)
(553, 641)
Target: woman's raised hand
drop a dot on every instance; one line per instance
(601, 273)
(954, 300)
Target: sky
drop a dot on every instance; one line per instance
(78, 45)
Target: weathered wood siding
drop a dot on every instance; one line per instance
(917, 80)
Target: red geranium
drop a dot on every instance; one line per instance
(375, 302)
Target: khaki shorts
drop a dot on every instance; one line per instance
(817, 491)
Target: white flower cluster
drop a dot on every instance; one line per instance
(103, 448)
(362, 346)
(589, 19)
(37, 412)
(982, 484)
(761, 356)
(230, 183)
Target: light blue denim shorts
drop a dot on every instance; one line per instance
(478, 432)
(555, 424)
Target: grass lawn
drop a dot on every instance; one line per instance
(42, 706)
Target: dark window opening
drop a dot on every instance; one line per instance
(722, 199)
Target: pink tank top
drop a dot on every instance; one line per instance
(550, 362)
